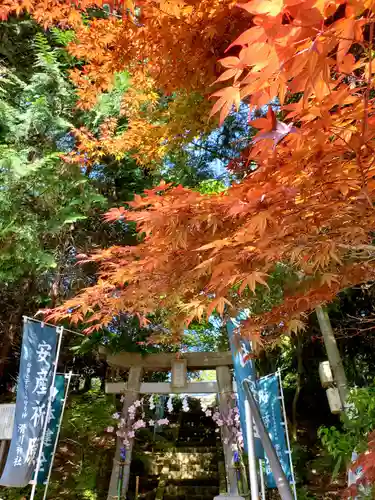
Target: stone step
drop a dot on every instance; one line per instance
(197, 475)
(196, 448)
(192, 488)
(189, 492)
(193, 463)
(185, 473)
(203, 464)
(201, 461)
(190, 468)
(189, 471)
(184, 453)
(182, 461)
(182, 464)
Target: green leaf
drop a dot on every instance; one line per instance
(48, 261)
(74, 218)
(336, 470)
(98, 198)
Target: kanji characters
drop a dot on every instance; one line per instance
(43, 352)
(41, 382)
(38, 415)
(32, 450)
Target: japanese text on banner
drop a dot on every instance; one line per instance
(33, 390)
(270, 409)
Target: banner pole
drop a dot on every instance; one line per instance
(28, 318)
(287, 434)
(252, 462)
(262, 485)
(69, 377)
(279, 475)
(59, 331)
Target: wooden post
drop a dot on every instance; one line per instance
(333, 354)
(133, 386)
(224, 381)
(3, 444)
(136, 487)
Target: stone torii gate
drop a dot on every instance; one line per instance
(178, 365)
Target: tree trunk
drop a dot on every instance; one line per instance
(298, 386)
(333, 354)
(7, 342)
(13, 327)
(87, 384)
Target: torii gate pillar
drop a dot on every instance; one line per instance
(224, 382)
(132, 394)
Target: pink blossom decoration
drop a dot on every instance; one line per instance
(163, 421)
(139, 424)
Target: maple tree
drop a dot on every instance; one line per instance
(308, 203)
(168, 46)
(279, 241)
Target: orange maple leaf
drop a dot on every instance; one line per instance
(251, 281)
(271, 7)
(219, 304)
(228, 98)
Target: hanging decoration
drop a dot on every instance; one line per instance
(170, 405)
(185, 404)
(136, 419)
(151, 403)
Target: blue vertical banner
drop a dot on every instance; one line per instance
(34, 384)
(243, 369)
(52, 428)
(269, 400)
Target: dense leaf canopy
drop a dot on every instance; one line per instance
(293, 229)
(306, 199)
